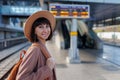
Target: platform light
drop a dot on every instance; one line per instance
(24, 10)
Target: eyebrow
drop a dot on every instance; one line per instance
(44, 24)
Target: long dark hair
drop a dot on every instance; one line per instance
(36, 23)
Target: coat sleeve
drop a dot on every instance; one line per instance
(28, 64)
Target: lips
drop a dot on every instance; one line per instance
(44, 35)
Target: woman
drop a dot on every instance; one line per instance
(35, 66)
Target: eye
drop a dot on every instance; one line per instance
(47, 26)
(40, 26)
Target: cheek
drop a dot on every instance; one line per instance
(37, 31)
(49, 30)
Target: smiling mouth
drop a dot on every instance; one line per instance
(45, 35)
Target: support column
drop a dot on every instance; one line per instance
(43, 5)
(73, 51)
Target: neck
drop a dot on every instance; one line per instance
(42, 41)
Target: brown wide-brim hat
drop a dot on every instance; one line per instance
(29, 22)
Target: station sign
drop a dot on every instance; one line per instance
(70, 10)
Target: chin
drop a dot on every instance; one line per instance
(45, 38)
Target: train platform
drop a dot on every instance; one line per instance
(94, 64)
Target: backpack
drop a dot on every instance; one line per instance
(13, 73)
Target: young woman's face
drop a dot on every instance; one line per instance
(43, 31)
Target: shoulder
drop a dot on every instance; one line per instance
(33, 51)
(33, 48)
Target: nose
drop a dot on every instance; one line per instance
(45, 29)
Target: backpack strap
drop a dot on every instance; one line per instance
(22, 53)
(43, 49)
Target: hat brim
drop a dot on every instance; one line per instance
(29, 22)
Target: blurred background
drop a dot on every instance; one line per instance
(86, 40)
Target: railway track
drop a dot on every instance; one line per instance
(8, 60)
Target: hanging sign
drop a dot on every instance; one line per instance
(70, 10)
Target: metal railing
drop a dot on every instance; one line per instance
(5, 43)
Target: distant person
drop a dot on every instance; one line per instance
(35, 66)
(84, 38)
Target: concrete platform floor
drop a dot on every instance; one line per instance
(91, 67)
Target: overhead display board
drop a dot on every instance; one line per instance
(70, 11)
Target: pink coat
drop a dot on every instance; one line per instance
(33, 66)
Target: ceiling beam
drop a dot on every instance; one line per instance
(93, 1)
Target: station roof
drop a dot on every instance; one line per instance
(98, 10)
